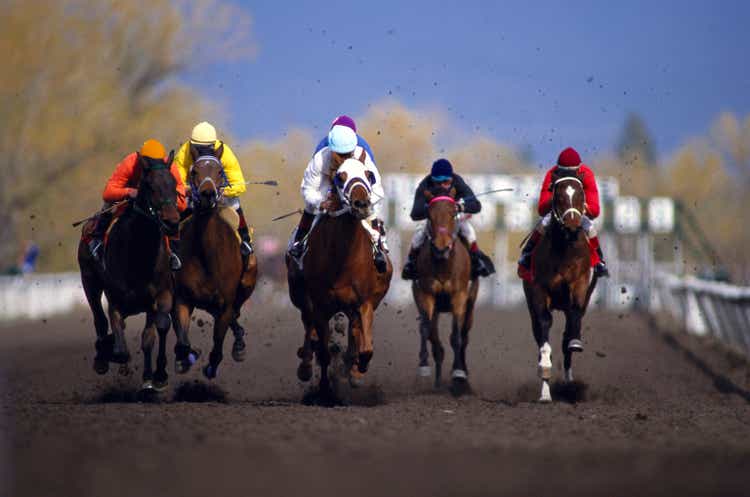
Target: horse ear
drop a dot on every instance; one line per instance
(219, 151)
(428, 195)
(362, 156)
(370, 177)
(170, 157)
(340, 178)
(452, 192)
(194, 152)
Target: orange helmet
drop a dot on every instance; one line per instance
(153, 149)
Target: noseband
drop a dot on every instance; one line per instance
(219, 189)
(570, 191)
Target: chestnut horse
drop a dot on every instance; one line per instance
(137, 277)
(444, 284)
(338, 275)
(214, 276)
(562, 277)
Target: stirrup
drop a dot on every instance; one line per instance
(95, 247)
(600, 270)
(297, 249)
(174, 262)
(246, 248)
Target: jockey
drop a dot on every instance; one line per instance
(443, 177)
(318, 194)
(347, 121)
(203, 138)
(569, 160)
(123, 185)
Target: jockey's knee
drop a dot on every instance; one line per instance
(233, 202)
(468, 231)
(589, 227)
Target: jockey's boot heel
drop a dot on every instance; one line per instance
(381, 264)
(409, 272)
(478, 267)
(601, 270)
(246, 248)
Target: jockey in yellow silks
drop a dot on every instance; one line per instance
(203, 138)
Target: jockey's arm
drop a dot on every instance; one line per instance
(592, 194)
(419, 207)
(234, 173)
(312, 180)
(117, 186)
(545, 196)
(471, 204)
(182, 161)
(181, 199)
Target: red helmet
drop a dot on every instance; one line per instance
(569, 158)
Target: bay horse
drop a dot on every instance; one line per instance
(214, 275)
(136, 276)
(444, 284)
(338, 275)
(562, 277)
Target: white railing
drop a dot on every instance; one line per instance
(704, 307)
(39, 295)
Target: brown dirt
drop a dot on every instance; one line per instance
(653, 414)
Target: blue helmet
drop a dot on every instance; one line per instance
(442, 170)
(342, 139)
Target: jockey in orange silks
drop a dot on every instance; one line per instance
(571, 161)
(123, 185)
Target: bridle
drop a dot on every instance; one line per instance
(569, 192)
(219, 189)
(454, 235)
(344, 191)
(150, 210)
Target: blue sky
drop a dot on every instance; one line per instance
(544, 74)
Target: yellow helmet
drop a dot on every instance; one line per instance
(153, 149)
(203, 134)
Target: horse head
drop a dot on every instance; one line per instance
(568, 200)
(157, 193)
(443, 226)
(207, 179)
(353, 182)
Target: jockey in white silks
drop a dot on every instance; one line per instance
(319, 193)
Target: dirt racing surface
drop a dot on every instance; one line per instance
(652, 414)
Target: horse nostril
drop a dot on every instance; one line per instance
(360, 204)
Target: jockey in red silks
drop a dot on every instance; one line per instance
(571, 161)
(123, 185)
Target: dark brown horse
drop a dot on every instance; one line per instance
(214, 276)
(444, 284)
(137, 277)
(562, 277)
(338, 275)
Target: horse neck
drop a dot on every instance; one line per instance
(561, 240)
(144, 241)
(343, 234)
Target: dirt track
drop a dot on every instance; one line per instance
(654, 415)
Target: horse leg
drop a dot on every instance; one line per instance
(162, 323)
(185, 354)
(438, 353)
(120, 353)
(541, 321)
(324, 357)
(93, 291)
(361, 330)
(571, 341)
(305, 353)
(148, 337)
(459, 372)
(426, 306)
(221, 323)
(239, 348)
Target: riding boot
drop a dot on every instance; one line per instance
(246, 247)
(410, 268)
(478, 265)
(378, 256)
(174, 254)
(525, 259)
(298, 247)
(600, 270)
(97, 236)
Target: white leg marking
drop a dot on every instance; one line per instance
(424, 371)
(545, 361)
(545, 396)
(569, 375)
(459, 374)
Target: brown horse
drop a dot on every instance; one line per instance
(562, 277)
(214, 275)
(137, 277)
(338, 275)
(444, 284)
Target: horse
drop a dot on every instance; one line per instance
(562, 277)
(214, 277)
(444, 284)
(136, 276)
(338, 275)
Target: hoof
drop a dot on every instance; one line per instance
(239, 351)
(545, 396)
(356, 379)
(120, 358)
(424, 371)
(160, 386)
(101, 366)
(459, 374)
(147, 386)
(182, 366)
(304, 372)
(545, 362)
(575, 345)
(209, 371)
